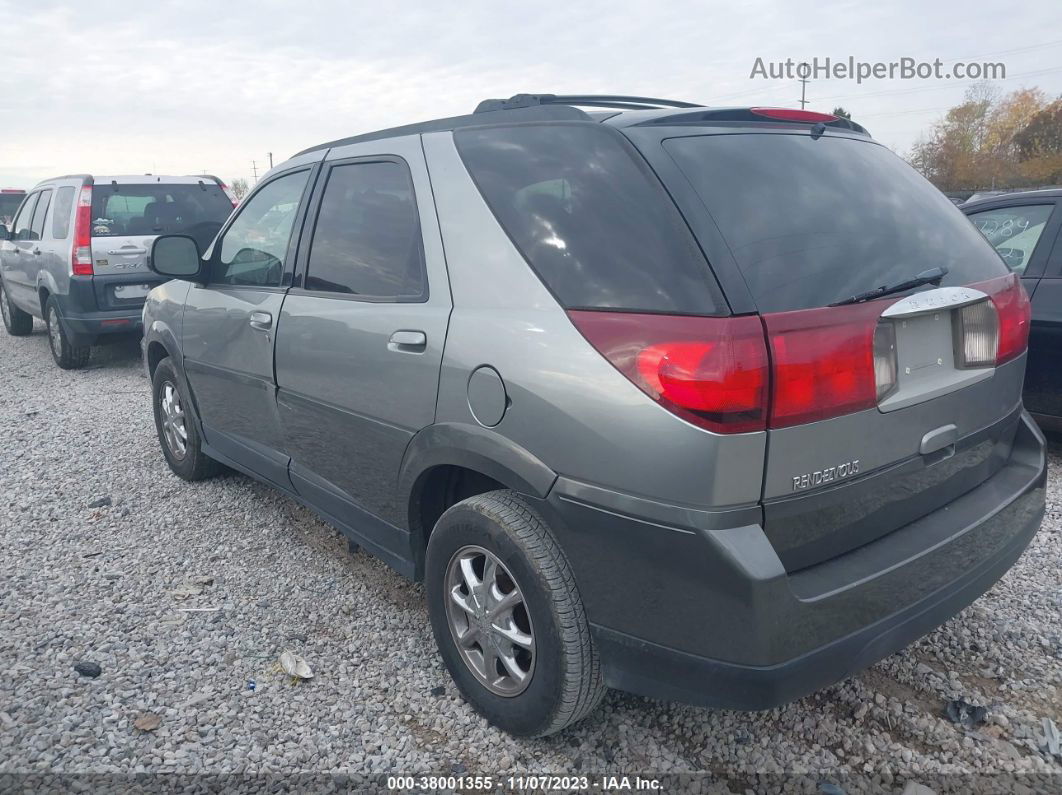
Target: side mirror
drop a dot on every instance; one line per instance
(176, 256)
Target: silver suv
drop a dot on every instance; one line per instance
(76, 251)
(713, 405)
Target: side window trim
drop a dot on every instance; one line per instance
(293, 241)
(45, 196)
(1035, 267)
(313, 211)
(25, 215)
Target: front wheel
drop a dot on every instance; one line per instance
(176, 429)
(507, 616)
(67, 355)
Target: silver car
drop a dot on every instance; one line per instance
(713, 405)
(75, 253)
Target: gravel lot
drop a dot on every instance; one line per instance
(110, 585)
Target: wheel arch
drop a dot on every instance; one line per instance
(448, 462)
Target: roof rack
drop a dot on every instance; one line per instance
(616, 101)
(478, 119)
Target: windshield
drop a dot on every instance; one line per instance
(158, 208)
(814, 221)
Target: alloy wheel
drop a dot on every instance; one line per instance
(174, 430)
(489, 621)
(55, 334)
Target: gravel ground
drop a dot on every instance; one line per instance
(112, 584)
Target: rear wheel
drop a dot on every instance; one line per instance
(178, 436)
(508, 618)
(66, 355)
(17, 322)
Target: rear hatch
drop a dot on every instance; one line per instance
(128, 216)
(881, 408)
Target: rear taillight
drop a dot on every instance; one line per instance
(884, 359)
(81, 256)
(824, 362)
(1015, 315)
(976, 335)
(710, 371)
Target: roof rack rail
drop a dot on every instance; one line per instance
(616, 101)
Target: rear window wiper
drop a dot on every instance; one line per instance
(931, 276)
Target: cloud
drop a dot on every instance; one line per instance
(122, 87)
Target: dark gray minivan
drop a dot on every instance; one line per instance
(714, 405)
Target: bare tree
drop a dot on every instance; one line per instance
(239, 188)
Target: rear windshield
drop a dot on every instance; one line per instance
(589, 217)
(156, 209)
(9, 203)
(811, 222)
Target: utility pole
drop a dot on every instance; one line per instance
(805, 71)
(270, 159)
(254, 168)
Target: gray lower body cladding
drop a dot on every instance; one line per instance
(710, 616)
(92, 309)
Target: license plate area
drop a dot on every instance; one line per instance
(925, 360)
(131, 292)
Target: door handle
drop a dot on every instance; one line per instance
(261, 320)
(408, 341)
(114, 252)
(37, 251)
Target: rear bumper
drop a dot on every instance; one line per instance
(708, 615)
(91, 310)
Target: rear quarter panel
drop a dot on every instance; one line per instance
(568, 406)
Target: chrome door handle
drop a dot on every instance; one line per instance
(114, 252)
(261, 320)
(408, 341)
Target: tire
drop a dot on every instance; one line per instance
(66, 355)
(562, 682)
(175, 426)
(17, 322)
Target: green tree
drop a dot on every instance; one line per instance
(844, 114)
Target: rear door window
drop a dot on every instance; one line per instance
(21, 227)
(37, 224)
(590, 217)
(367, 238)
(1014, 231)
(811, 221)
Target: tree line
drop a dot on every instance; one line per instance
(994, 140)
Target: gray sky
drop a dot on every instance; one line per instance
(125, 87)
